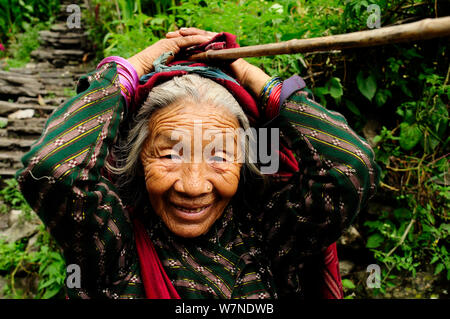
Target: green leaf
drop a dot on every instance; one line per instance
(290, 36)
(410, 135)
(390, 284)
(376, 139)
(335, 88)
(3, 122)
(157, 21)
(51, 292)
(439, 268)
(382, 96)
(374, 241)
(319, 93)
(347, 283)
(434, 259)
(45, 284)
(445, 227)
(407, 91)
(401, 213)
(367, 86)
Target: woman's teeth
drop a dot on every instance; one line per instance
(189, 210)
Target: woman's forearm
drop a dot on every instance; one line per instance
(250, 76)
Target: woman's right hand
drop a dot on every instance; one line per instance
(143, 61)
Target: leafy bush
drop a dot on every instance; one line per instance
(21, 46)
(17, 15)
(414, 157)
(20, 22)
(45, 263)
(11, 196)
(41, 261)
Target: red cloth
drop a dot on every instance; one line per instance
(332, 285)
(157, 284)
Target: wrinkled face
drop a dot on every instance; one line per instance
(191, 165)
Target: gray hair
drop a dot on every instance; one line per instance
(191, 87)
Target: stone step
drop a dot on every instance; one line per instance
(11, 159)
(11, 142)
(53, 74)
(45, 34)
(8, 172)
(17, 78)
(23, 90)
(62, 28)
(56, 91)
(26, 126)
(25, 71)
(9, 107)
(56, 101)
(16, 83)
(68, 40)
(47, 54)
(34, 68)
(62, 82)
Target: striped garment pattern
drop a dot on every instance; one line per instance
(270, 249)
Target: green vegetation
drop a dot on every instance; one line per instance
(12, 198)
(22, 45)
(27, 261)
(20, 22)
(398, 95)
(40, 261)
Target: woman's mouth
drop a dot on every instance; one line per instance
(191, 213)
(190, 210)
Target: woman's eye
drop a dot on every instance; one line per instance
(173, 157)
(217, 159)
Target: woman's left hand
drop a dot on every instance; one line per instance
(250, 76)
(143, 61)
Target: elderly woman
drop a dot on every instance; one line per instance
(148, 205)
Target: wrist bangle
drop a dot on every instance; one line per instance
(266, 92)
(267, 86)
(125, 94)
(128, 76)
(124, 64)
(273, 102)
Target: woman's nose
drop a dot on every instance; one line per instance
(192, 181)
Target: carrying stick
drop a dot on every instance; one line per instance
(420, 30)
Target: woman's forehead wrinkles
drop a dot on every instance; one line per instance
(166, 139)
(186, 112)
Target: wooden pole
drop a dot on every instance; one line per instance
(420, 30)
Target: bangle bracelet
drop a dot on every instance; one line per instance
(273, 102)
(125, 78)
(128, 77)
(127, 66)
(266, 92)
(125, 94)
(267, 86)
